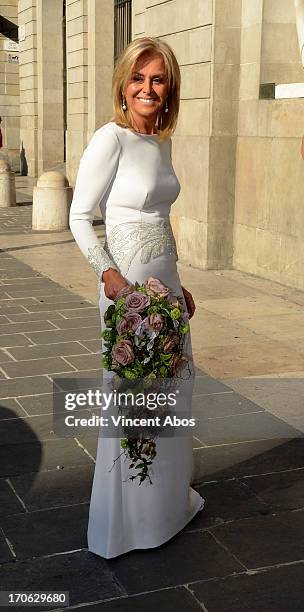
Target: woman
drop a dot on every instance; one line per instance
(127, 170)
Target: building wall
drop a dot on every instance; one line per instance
(269, 214)
(9, 90)
(280, 57)
(205, 36)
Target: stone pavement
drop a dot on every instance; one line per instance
(245, 551)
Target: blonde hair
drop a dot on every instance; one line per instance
(166, 122)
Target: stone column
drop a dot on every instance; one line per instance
(225, 77)
(50, 84)
(28, 83)
(77, 86)
(9, 88)
(205, 37)
(100, 62)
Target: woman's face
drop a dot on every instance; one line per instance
(148, 82)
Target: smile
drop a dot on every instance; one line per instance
(147, 100)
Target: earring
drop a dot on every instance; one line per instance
(124, 104)
(166, 107)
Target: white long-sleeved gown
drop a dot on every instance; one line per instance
(131, 177)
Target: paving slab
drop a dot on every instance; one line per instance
(250, 306)
(54, 487)
(280, 396)
(255, 358)
(205, 385)
(28, 326)
(277, 589)
(227, 501)
(16, 459)
(59, 349)
(47, 292)
(84, 575)
(42, 306)
(47, 531)
(16, 387)
(185, 558)
(50, 365)
(281, 490)
(86, 362)
(265, 540)
(89, 311)
(65, 335)
(219, 405)
(256, 457)
(37, 404)
(76, 322)
(243, 428)
(280, 455)
(10, 340)
(178, 599)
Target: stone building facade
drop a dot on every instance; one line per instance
(236, 154)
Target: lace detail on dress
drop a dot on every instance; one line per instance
(125, 240)
(100, 261)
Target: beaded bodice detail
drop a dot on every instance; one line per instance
(126, 240)
(150, 239)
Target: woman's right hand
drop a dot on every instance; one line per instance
(113, 283)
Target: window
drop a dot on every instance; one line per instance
(122, 25)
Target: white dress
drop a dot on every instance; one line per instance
(131, 177)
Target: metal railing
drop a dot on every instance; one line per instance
(122, 26)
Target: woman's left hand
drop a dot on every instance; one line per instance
(189, 302)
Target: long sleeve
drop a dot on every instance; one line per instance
(96, 169)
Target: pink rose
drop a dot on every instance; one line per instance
(155, 286)
(171, 341)
(129, 322)
(122, 352)
(124, 291)
(137, 301)
(156, 321)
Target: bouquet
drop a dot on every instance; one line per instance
(144, 339)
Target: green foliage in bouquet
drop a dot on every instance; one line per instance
(144, 339)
